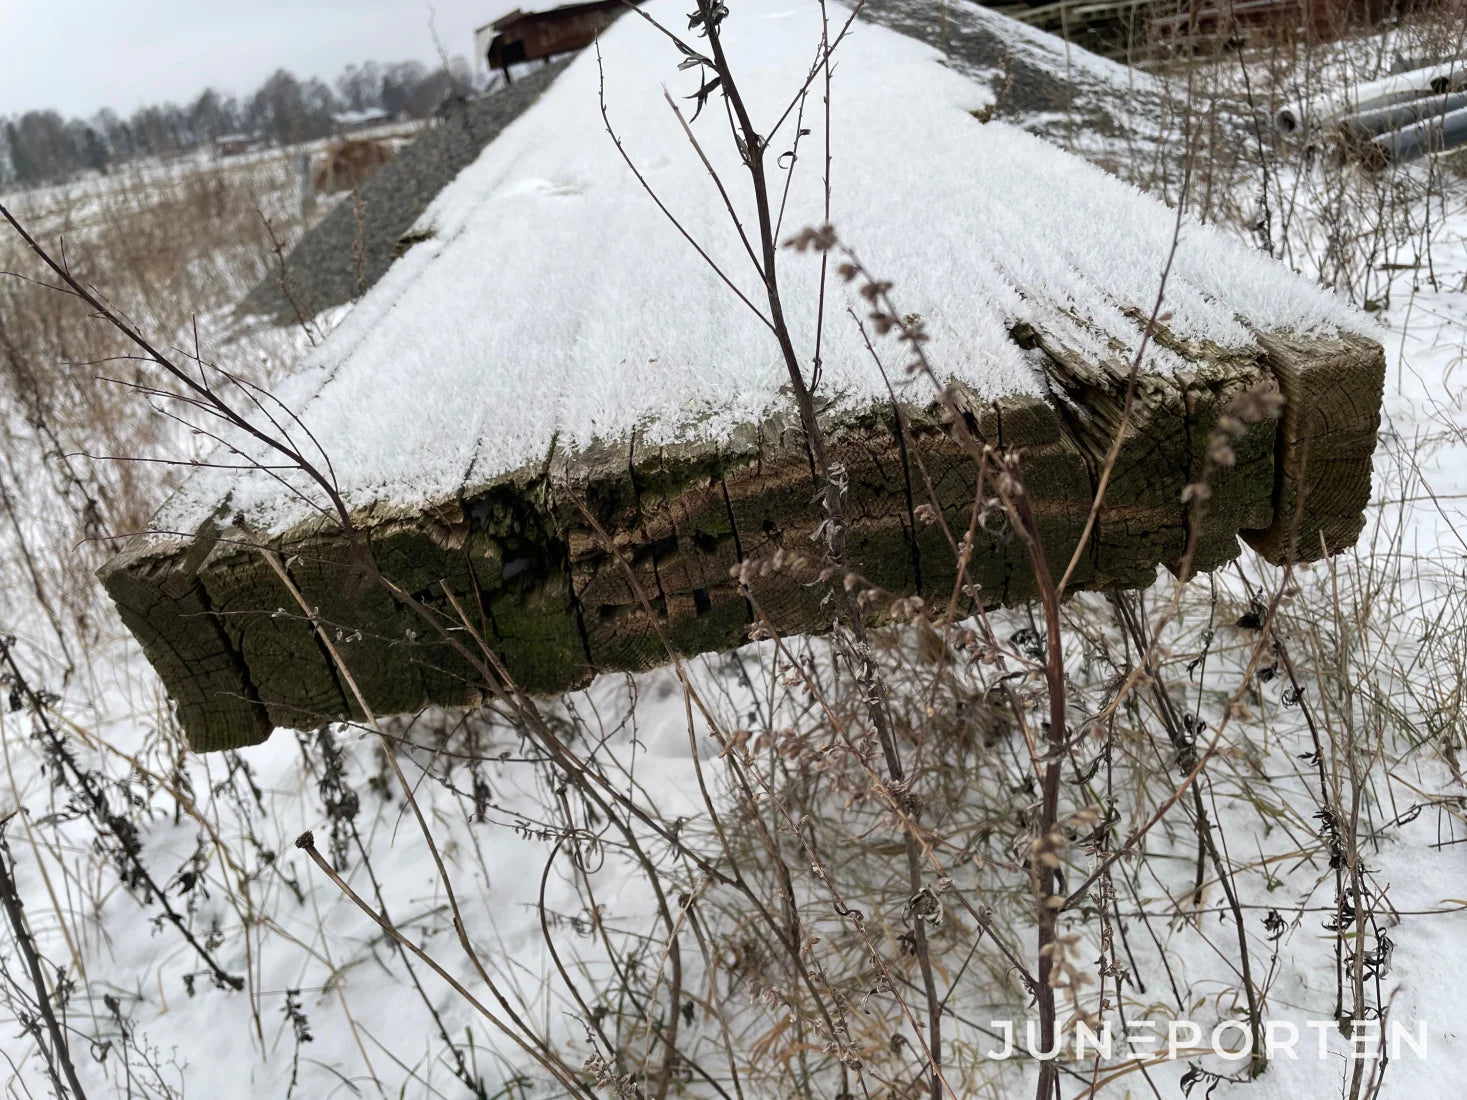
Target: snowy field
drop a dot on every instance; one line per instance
(731, 885)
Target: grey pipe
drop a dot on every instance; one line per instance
(1449, 76)
(1434, 135)
(1367, 124)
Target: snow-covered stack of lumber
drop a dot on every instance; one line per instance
(1398, 118)
(559, 427)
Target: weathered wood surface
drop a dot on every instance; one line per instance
(240, 658)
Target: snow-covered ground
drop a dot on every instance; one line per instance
(560, 906)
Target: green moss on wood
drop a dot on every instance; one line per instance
(605, 559)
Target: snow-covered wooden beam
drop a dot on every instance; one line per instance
(553, 415)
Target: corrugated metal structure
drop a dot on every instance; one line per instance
(1209, 19)
(532, 36)
(1133, 28)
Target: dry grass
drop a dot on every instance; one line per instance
(172, 247)
(1251, 742)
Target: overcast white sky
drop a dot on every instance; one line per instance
(78, 56)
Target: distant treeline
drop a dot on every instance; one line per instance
(43, 147)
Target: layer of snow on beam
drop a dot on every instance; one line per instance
(555, 299)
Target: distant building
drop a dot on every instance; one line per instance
(532, 36)
(350, 122)
(232, 145)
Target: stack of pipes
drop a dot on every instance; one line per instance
(1395, 119)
